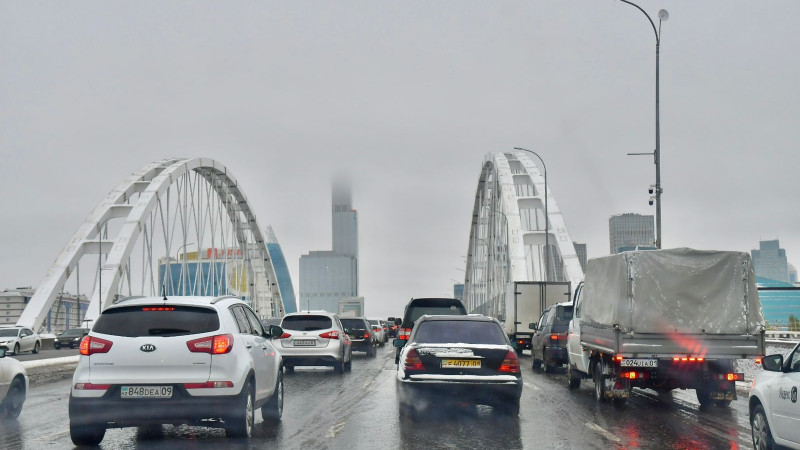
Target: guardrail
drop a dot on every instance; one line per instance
(790, 335)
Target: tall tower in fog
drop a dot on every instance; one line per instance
(328, 276)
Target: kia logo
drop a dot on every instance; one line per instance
(148, 348)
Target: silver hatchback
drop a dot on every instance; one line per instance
(315, 338)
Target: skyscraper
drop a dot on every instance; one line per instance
(628, 231)
(331, 275)
(769, 261)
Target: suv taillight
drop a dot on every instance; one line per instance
(215, 345)
(330, 335)
(91, 345)
(412, 361)
(510, 364)
(403, 334)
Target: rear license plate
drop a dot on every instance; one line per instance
(146, 392)
(639, 363)
(304, 343)
(461, 364)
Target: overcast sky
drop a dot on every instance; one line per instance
(407, 96)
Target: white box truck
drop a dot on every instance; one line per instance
(524, 303)
(665, 319)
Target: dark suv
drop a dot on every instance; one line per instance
(549, 343)
(360, 332)
(419, 307)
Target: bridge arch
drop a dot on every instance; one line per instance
(137, 241)
(507, 235)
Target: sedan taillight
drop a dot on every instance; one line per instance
(404, 334)
(413, 362)
(510, 364)
(91, 345)
(330, 335)
(215, 345)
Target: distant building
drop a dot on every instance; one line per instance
(792, 274)
(458, 291)
(67, 310)
(580, 250)
(769, 261)
(778, 302)
(630, 231)
(281, 272)
(329, 276)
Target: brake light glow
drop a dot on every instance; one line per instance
(209, 385)
(733, 376)
(413, 363)
(632, 375)
(687, 359)
(91, 387)
(91, 345)
(510, 364)
(366, 335)
(758, 360)
(215, 345)
(330, 335)
(158, 308)
(618, 358)
(404, 334)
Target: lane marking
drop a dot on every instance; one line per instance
(602, 431)
(336, 429)
(532, 386)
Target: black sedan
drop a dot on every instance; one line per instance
(70, 338)
(458, 358)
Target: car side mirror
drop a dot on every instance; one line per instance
(2, 353)
(275, 332)
(772, 363)
(398, 343)
(532, 326)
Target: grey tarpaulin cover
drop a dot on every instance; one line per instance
(673, 291)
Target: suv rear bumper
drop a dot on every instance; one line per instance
(114, 411)
(322, 360)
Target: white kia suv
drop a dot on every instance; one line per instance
(198, 360)
(774, 405)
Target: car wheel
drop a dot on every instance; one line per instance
(703, 397)
(762, 435)
(536, 364)
(57, 346)
(16, 349)
(372, 351)
(15, 398)
(289, 369)
(273, 410)
(36, 348)
(86, 434)
(573, 380)
(599, 383)
(338, 366)
(240, 423)
(348, 366)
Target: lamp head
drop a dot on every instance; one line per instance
(663, 15)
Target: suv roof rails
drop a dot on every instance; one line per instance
(224, 297)
(125, 299)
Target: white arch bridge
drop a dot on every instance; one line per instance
(137, 241)
(507, 241)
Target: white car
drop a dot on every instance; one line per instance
(774, 406)
(377, 328)
(13, 386)
(19, 339)
(315, 338)
(197, 360)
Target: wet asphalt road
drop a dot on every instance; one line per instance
(358, 410)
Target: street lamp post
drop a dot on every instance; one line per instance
(546, 216)
(663, 15)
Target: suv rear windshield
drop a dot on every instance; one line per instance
(306, 323)
(459, 331)
(420, 307)
(157, 320)
(563, 315)
(354, 323)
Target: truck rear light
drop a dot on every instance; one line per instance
(758, 359)
(632, 375)
(618, 358)
(214, 345)
(690, 359)
(732, 376)
(330, 335)
(209, 385)
(404, 334)
(413, 363)
(91, 345)
(91, 387)
(510, 364)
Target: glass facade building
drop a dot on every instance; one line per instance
(769, 261)
(630, 231)
(281, 272)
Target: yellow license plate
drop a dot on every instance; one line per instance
(461, 364)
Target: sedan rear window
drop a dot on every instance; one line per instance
(157, 320)
(459, 331)
(306, 323)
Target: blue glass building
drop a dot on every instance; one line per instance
(281, 272)
(778, 301)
